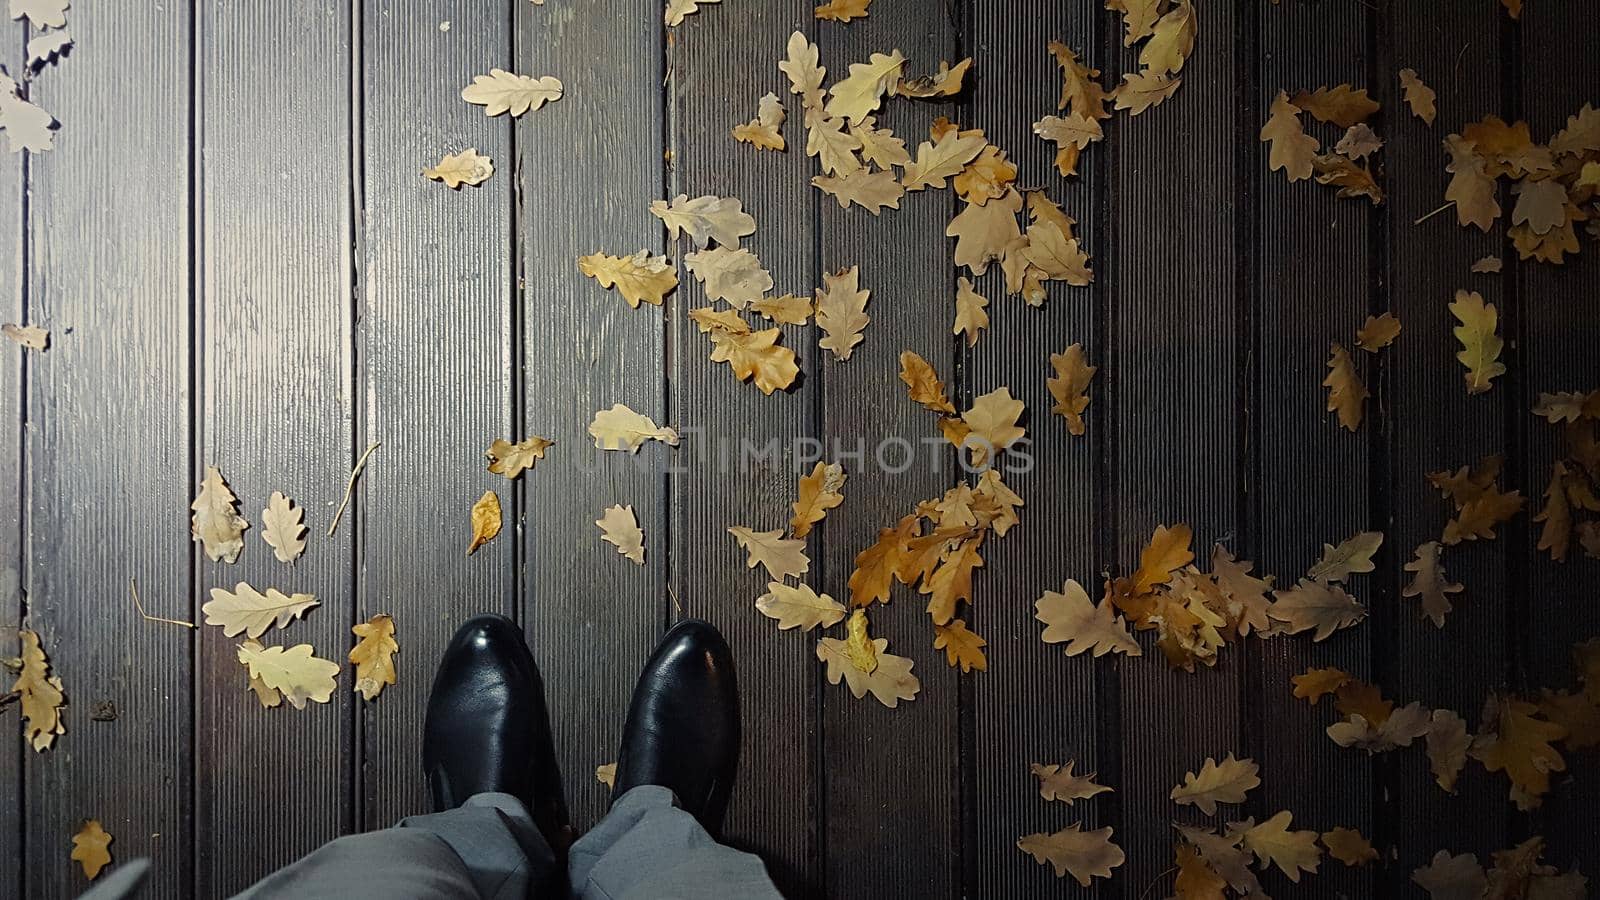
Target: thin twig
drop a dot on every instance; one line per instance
(133, 588)
(1434, 213)
(8, 699)
(350, 485)
(1157, 881)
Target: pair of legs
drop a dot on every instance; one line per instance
(499, 827)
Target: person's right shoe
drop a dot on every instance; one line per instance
(682, 731)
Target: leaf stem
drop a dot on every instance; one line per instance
(351, 485)
(1434, 213)
(133, 588)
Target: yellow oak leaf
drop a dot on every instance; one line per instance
(799, 607)
(283, 527)
(216, 522)
(268, 696)
(1347, 395)
(858, 94)
(1138, 16)
(763, 132)
(705, 219)
(1071, 617)
(640, 278)
(1080, 86)
(501, 91)
(805, 75)
(1378, 332)
(950, 582)
(834, 148)
(877, 566)
(1056, 256)
(923, 384)
(292, 671)
(985, 178)
(1316, 605)
(1069, 386)
(1419, 97)
(756, 354)
(620, 428)
(782, 557)
(936, 162)
(678, 9)
(819, 492)
(843, 10)
(1349, 846)
(1478, 517)
(1171, 41)
(1000, 511)
(511, 460)
(841, 311)
(970, 315)
(456, 169)
(606, 774)
(961, 647)
(252, 612)
(1272, 842)
(1352, 556)
(786, 310)
(1071, 134)
(984, 233)
(879, 146)
(486, 521)
(1085, 854)
(1291, 150)
(41, 695)
(373, 655)
(1481, 346)
(1429, 583)
(992, 424)
(1059, 783)
(889, 679)
(1314, 684)
(1225, 782)
(1471, 188)
(1196, 880)
(620, 528)
(871, 191)
(1447, 742)
(1514, 739)
(1140, 91)
(944, 82)
(90, 848)
(1168, 550)
(1340, 105)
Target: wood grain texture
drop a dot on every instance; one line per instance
(1312, 480)
(590, 165)
(1438, 426)
(13, 366)
(277, 414)
(715, 483)
(1035, 704)
(435, 274)
(1555, 341)
(1171, 381)
(107, 446)
(886, 833)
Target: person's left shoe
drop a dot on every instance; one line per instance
(487, 728)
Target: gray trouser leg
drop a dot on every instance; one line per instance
(488, 847)
(648, 848)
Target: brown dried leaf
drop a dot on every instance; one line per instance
(1347, 395)
(373, 655)
(819, 492)
(1430, 583)
(1340, 105)
(923, 384)
(1418, 96)
(1069, 386)
(1291, 150)
(485, 521)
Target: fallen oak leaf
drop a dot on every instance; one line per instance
(1171, 41)
(1347, 395)
(27, 127)
(1515, 740)
(268, 696)
(216, 522)
(41, 694)
(872, 191)
(992, 425)
(1080, 85)
(834, 148)
(1398, 729)
(1272, 842)
(1352, 556)
(31, 337)
(805, 75)
(501, 91)
(1225, 782)
(1481, 346)
(859, 93)
(1196, 880)
(247, 610)
(1471, 188)
(1071, 134)
(292, 671)
(756, 355)
(819, 492)
(705, 219)
(970, 315)
(1378, 332)
(865, 665)
(1139, 17)
(678, 9)
(879, 146)
(606, 774)
(944, 82)
(1359, 141)
(1085, 854)
(1351, 178)
(486, 521)
(841, 311)
(41, 13)
(937, 161)
(1556, 535)
(1340, 105)
(1291, 149)
(734, 275)
(620, 528)
(1429, 583)
(1448, 877)
(511, 460)
(1317, 605)
(620, 428)
(1071, 617)
(961, 646)
(843, 10)
(799, 607)
(763, 132)
(789, 309)
(640, 278)
(877, 567)
(1059, 783)
(1140, 91)
(1349, 846)
(1447, 743)
(985, 178)
(373, 655)
(922, 383)
(456, 169)
(284, 527)
(90, 845)
(950, 582)
(782, 557)
(1069, 386)
(1419, 97)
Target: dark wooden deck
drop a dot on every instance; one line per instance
(241, 266)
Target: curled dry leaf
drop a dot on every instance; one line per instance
(620, 428)
(486, 521)
(880, 565)
(501, 92)
(1071, 617)
(871, 191)
(283, 527)
(1378, 332)
(782, 557)
(755, 354)
(1351, 178)
(923, 384)
(1059, 783)
(1359, 141)
(961, 647)
(41, 695)
(985, 178)
(1347, 395)
(1398, 729)
(1225, 782)
(216, 522)
(1085, 854)
(841, 311)
(511, 460)
(1430, 584)
(1142, 90)
(1481, 346)
(1352, 556)
(293, 672)
(245, 609)
(31, 337)
(1069, 386)
(819, 492)
(734, 275)
(944, 82)
(799, 607)
(865, 665)
(620, 528)
(705, 219)
(1419, 97)
(763, 132)
(91, 848)
(373, 655)
(640, 278)
(456, 169)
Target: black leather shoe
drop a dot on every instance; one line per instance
(487, 728)
(682, 731)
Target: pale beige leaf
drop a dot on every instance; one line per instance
(1085, 854)
(734, 275)
(293, 672)
(1449, 877)
(1352, 556)
(283, 527)
(799, 607)
(1292, 852)
(857, 95)
(1291, 150)
(620, 528)
(983, 233)
(606, 774)
(373, 655)
(705, 219)
(486, 521)
(268, 696)
(89, 845)
(1171, 41)
(1429, 583)
(1399, 729)
(944, 82)
(1069, 386)
(677, 9)
(869, 190)
(1316, 605)
(1225, 782)
(41, 13)
(1247, 602)
(1359, 141)
(819, 492)
(41, 695)
(890, 681)
(970, 315)
(992, 424)
(805, 76)
(1057, 256)
(216, 522)
(26, 126)
(1419, 97)
(1447, 747)
(1541, 205)
(640, 278)
(30, 336)
(456, 169)
(786, 310)
(834, 148)
(841, 311)
(782, 557)
(501, 91)
(1071, 617)
(936, 162)
(1059, 783)
(879, 146)
(511, 460)
(764, 131)
(253, 612)
(1378, 332)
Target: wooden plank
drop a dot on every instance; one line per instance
(1555, 308)
(775, 808)
(590, 166)
(278, 407)
(1018, 82)
(107, 446)
(1312, 482)
(886, 832)
(13, 363)
(1437, 426)
(437, 287)
(1172, 385)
